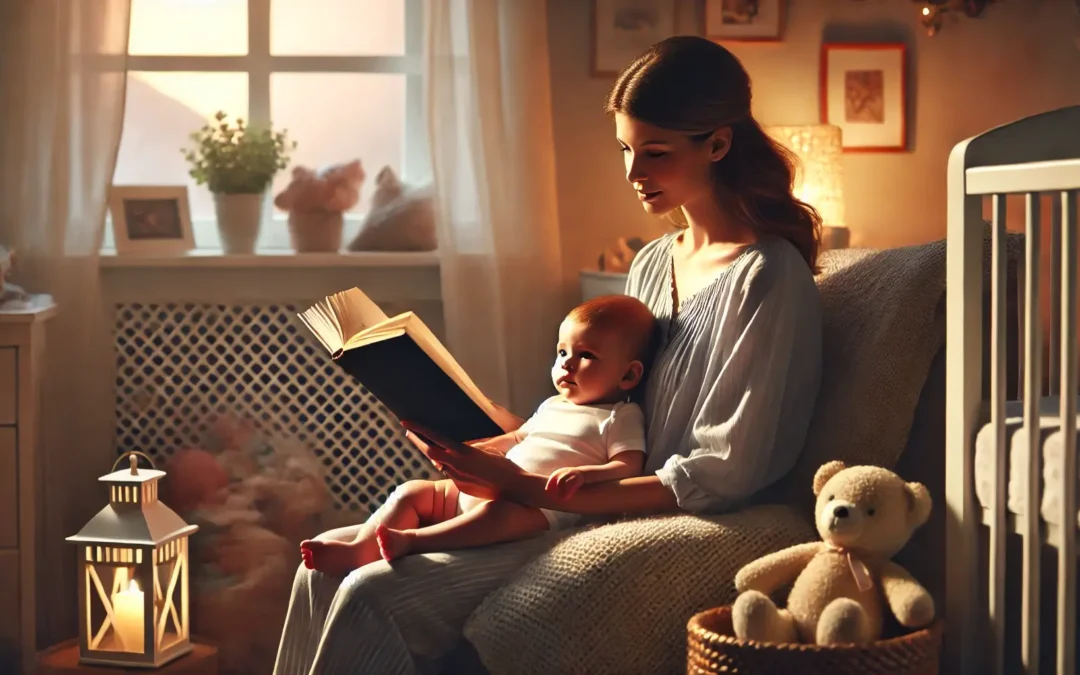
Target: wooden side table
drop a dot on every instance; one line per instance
(63, 659)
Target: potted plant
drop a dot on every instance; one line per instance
(316, 201)
(238, 163)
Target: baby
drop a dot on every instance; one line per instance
(588, 433)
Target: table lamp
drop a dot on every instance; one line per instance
(819, 180)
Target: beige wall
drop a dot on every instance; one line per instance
(1020, 58)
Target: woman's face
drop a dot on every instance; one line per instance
(667, 169)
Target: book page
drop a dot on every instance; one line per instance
(320, 321)
(339, 318)
(356, 312)
(388, 328)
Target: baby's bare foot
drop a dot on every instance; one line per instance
(392, 543)
(338, 558)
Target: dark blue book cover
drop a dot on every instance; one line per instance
(398, 372)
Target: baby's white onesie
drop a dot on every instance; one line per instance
(561, 434)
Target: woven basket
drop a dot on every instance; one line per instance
(713, 648)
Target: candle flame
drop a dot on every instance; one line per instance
(133, 586)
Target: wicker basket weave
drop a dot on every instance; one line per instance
(713, 648)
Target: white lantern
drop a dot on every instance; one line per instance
(133, 575)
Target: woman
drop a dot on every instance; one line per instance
(729, 395)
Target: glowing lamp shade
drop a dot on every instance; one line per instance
(133, 575)
(819, 180)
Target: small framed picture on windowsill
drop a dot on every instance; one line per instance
(864, 92)
(151, 219)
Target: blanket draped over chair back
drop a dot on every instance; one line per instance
(884, 322)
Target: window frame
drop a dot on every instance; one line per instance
(259, 64)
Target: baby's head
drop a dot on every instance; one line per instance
(605, 345)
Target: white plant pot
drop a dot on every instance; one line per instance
(239, 218)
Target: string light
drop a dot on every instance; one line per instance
(932, 14)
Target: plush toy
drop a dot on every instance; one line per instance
(865, 515)
(402, 218)
(255, 497)
(617, 257)
(7, 259)
(195, 480)
(11, 296)
(334, 189)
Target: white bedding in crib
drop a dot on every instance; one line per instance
(1016, 441)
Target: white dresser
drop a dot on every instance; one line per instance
(595, 282)
(22, 342)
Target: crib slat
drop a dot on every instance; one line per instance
(1053, 348)
(997, 421)
(1066, 601)
(1029, 613)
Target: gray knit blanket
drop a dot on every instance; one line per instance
(616, 598)
(884, 322)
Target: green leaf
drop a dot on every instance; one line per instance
(237, 159)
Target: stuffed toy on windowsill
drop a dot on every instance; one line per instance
(334, 189)
(844, 584)
(11, 296)
(402, 217)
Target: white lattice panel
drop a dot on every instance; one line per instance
(179, 367)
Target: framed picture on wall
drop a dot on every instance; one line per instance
(151, 219)
(749, 20)
(864, 92)
(623, 29)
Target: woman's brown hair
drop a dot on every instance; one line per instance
(695, 86)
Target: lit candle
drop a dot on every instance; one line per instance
(128, 617)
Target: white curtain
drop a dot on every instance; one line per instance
(62, 83)
(489, 119)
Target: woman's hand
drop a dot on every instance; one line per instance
(476, 471)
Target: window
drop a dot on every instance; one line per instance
(342, 76)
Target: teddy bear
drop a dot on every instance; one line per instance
(334, 189)
(843, 583)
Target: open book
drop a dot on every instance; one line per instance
(401, 362)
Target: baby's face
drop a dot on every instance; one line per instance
(591, 365)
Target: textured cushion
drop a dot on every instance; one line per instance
(884, 322)
(616, 598)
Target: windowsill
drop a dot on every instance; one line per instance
(274, 258)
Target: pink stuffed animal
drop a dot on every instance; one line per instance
(335, 188)
(195, 480)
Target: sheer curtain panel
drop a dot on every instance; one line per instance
(490, 130)
(62, 79)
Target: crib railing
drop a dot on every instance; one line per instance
(1035, 157)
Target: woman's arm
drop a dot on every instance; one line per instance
(637, 495)
(752, 418)
(623, 465)
(491, 476)
(567, 480)
(500, 444)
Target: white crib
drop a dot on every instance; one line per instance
(997, 547)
